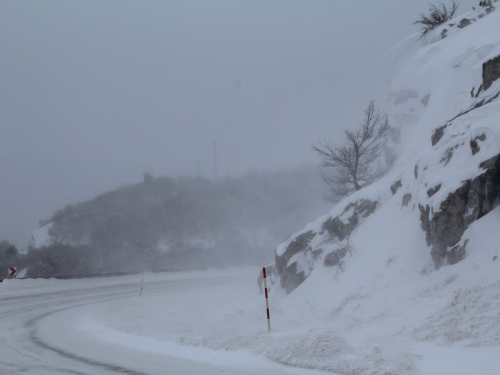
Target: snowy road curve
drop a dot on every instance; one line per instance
(41, 333)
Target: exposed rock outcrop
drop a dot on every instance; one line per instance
(290, 276)
(491, 72)
(456, 253)
(447, 156)
(335, 257)
(471, 201)
(406, 200)
(295, 261)
(464, 22)
(338, 228)
(433, 190)
(484, 190)
(474, 146)
(438, 134)
(395, 186)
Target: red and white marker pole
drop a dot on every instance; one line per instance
(267, 300)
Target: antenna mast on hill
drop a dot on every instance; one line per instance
(215, 160)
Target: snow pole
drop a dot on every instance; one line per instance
(267, 300)
(142, 283)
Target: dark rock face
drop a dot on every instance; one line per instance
(289, 277)
(317, 253)
(464, 22)
(446, 226)
(395, 186)
(366, 207)
(484, 190)
(471, 201)
(406, 200)
(473, 143)
(491, 72)
(438, 134)
(456, 253)
(338, 229)
(447, 156)
(335, 258)
(433, 190)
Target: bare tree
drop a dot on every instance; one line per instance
(437, 16)
(356, 160)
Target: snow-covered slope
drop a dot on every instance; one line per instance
(413, 257)
(447, 175)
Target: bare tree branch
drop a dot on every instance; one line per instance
(437, 16)
(354, 160)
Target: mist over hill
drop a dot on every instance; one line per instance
(179, 223)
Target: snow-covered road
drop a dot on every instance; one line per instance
(214, 322)
(50, 327)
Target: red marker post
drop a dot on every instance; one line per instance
(267, 300)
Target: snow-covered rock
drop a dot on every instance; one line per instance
(445, 98)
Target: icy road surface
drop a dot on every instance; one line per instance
(56, 327)
(214, 322)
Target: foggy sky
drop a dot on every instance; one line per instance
(94, 93)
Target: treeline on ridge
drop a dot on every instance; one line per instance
(178, 223)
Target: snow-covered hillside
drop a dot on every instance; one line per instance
(400, 278)
(446, 105)
(411, 260)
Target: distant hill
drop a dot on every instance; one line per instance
(180, 223)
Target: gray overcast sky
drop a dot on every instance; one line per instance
(94, 92)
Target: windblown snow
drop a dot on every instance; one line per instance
(393, 300)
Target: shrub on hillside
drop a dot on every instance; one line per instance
(437, 16)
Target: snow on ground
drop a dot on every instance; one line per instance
(106, 323)
(434, 327)
(386, 310)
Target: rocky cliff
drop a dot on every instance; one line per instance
(444, 97)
